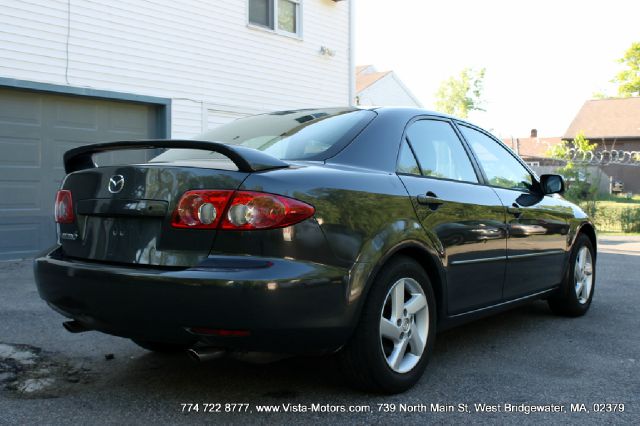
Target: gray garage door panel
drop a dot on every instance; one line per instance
(35, 130)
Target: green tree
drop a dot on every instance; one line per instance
(628, 79)
(580, 187)
(458, 95)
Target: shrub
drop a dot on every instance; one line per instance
(620, 218)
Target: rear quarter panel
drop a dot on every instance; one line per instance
(363, 215)
(362, 208)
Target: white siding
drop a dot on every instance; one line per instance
(388, 91)
(217, 118)
(200, 53)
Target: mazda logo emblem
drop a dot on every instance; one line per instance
(116, 183)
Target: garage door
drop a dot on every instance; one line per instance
(35, 130)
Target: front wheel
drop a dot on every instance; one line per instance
(394, 339)
(576, 292)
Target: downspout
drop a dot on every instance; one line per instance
(352, 66)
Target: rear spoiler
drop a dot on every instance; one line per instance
(246, 159)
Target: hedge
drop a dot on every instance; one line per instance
(623, 218)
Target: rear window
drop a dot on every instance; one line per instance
(288, 135)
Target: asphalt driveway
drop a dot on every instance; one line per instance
(525, 357)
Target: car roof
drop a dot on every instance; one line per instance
(398, 111)
(413, 111)
(382, 136)
(375, 137)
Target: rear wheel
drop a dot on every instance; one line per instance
(575, 295)
(392, 344)
(162, 347)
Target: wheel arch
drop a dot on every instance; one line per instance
(589, 230)
(426, 258)
(431, 267)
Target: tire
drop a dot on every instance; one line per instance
(162, 347)
(574, 297)
(368, 359)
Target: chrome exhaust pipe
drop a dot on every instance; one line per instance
(205, 354)
(75, 326)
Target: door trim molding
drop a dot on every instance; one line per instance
(479, 260)
(507, 257)
(544, 253)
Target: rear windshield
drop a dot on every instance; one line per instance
(313, 134)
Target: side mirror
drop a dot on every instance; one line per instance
(552, 184)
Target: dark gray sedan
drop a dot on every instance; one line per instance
(362, 231)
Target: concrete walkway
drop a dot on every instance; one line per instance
(619, 245)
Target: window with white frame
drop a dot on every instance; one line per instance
(277, 15)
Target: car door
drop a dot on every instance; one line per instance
(465, 219)
(537, 224)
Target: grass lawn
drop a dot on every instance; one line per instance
(615, 200)
(618, 204)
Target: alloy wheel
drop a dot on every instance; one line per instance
(404, 325)
(583, 275)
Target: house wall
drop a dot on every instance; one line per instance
(631, 145)
(201, 54)
(629, 175)
(387, 91)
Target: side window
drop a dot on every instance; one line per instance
(406, 161)
(439, 151)
(499, 165)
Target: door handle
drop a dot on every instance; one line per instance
(430, 200)
(515, 210)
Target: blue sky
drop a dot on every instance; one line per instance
(543, 58)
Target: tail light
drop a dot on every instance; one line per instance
(238, 210)
(200, 209)
(257, 210)
(64, 207)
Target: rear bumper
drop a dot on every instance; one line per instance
(286, 305)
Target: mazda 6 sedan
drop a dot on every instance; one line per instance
(356, 231)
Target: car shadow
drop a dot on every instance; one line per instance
(177, 377)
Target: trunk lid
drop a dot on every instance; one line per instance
(123, 213)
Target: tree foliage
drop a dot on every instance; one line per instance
(459, 95)
(580, 187)
(564, 150)
(628, 79)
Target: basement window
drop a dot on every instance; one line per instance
(281, 16)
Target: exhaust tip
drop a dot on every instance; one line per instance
(205, 354)
(193, 355)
